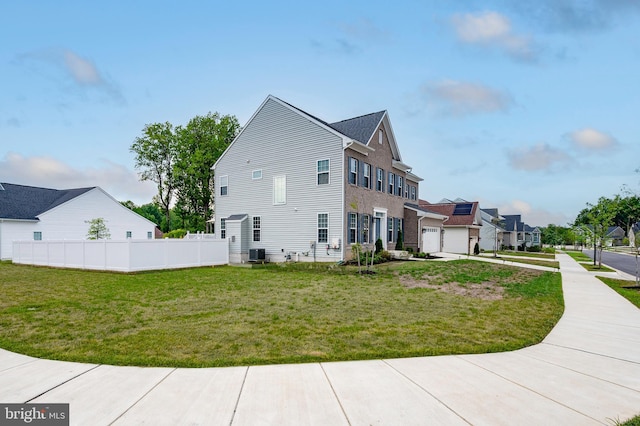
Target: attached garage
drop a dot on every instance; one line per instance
(431, 239)
(423, 229)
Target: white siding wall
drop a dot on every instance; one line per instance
(67, 221)
(279, 141)
(488, 237)
(11, 231)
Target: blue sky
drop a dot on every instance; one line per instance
(531, 107)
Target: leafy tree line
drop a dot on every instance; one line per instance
(617, 211)
(178, 159)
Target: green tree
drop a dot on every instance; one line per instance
(200, 143)
(149, 211)
(600, 218)
(97, 229)
(155, 155)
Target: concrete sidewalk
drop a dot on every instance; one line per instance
(587, 371)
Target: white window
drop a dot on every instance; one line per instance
(256, 228)
(224, 185)
(413, 193)
(323, 227)
(128, 234)
(406, 191)
(400, 186)
(279, 190)
(390, 229)
(366, 175)
(392, 181)
(353, 228)
(323, 172)
(380, 180)
(256, 174)
(37, 236)
(366, 219)
(223, 228)
(149, 235)
(353, 171)
(380, 136)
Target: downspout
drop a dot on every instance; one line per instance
(419, 233)
(342, 211)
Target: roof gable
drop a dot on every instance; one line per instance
(20, 202)
(360, 128)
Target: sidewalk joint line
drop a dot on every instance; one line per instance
(235, 407)
(143, 395)
(427, 392)
(335, 393)
(528, 388)
(62, 383)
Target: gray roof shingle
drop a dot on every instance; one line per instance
(20, 202)
(359, 128)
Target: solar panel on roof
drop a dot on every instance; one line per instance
(462, 209)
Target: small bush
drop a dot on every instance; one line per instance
(476, 249)
(550, 250)
(379, 246)
(176, 233)
(534, 249)
(400, 242)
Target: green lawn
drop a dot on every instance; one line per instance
(578, 256)
(548, 256)
(301, 313)
(633, 295)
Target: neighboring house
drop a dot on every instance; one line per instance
(615, 235)
(32, 213)
(492, 232)
(518, 234)
(462, 227)
(300, 188)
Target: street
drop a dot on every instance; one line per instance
(622, 262)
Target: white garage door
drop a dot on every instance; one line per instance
(430, 239)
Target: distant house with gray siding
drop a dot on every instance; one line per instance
(303, 189)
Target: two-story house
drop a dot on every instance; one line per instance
(518, 235)
(300, 188)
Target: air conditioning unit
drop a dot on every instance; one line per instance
(256, 255)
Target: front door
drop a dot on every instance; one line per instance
(380, 227)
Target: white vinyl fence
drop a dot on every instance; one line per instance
(122, 255)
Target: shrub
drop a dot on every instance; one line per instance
(400, 242)
(534, 249)
(476, 249)
(379, 246)
(176, 233)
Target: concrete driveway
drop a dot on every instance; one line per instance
(587, 371)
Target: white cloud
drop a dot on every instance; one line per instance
(462, 98)
(538, 157)
(592, 139)
(80, 71)
(492, 29)
(532, 216)
(48, 172)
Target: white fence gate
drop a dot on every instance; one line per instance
(122, 255)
